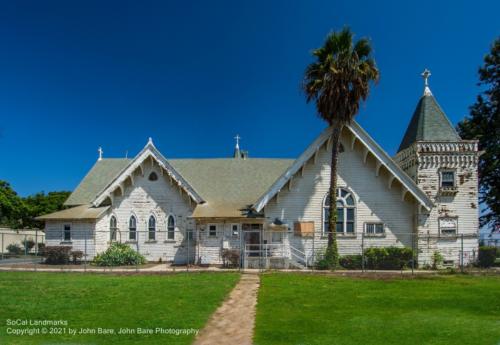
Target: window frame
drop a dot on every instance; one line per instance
(151, 233)
(375, 233)
(235, 233)
(130, 231)
(69, 225)
(441, 180)
(447, 228)
(113, 230)
(209, 234)
(345, 207)
(170, 229)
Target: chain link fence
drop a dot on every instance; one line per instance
(238, 248)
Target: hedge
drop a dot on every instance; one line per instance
(56, 255)
(486, 256)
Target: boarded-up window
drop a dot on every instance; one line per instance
(303, 229)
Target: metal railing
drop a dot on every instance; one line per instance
(192, 249)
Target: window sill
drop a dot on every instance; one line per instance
(374, 235)
(151, 241)
(169, 241)
(131, 242)
(448, 236)
(66, 242)
(344, 235)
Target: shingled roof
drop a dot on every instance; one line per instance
(428, 123)
(229, 185)
(98, 177)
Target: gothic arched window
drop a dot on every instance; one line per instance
(112, 228)
(132, 228)
(346, 208)
(152, 228)
(171, 228)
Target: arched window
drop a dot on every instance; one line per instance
(346, 208)
(152, 228)
(171, 228)
(153, 176)
(112, 228)
(132, 229)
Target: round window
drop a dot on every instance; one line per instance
(153, 176)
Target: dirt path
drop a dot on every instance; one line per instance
(233, 322)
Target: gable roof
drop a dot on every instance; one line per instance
(229, 185)
(149, 151)
(360, 134)
(97, 178)
(428, 123)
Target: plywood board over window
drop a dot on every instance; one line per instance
(303, 229)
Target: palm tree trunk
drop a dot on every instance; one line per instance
(332, 220)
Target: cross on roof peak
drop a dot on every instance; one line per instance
(100, 153)
(237, 137)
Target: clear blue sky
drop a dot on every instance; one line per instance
(191, 74)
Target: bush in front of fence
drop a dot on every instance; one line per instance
(486, 256)
(56, 255)
(14, 249)
(119, 254)
(28, 244)
(351, 262)
(388, 258)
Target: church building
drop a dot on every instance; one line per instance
(274, 212)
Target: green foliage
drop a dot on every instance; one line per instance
(119, 254)
(329, 260)
(28, 244)
(56, 255)
(487, 256)
(437, 260)
(77, 256)
(337, 81)
(12, 208)
(388, 258)
(17, 212)
(483, 124)
(14, 249)
(351, 262)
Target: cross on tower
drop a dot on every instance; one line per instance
(237, 137)
(426, 74)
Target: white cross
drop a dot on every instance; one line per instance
(100, 152)
(237, 137)
(426, 74)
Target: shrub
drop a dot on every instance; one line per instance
(56, 255)
(486, 256)
(28, 244)
(388, 258)
(119, 254)
(77, 256)
(437, 260)
(352, 262)
(230, 257)
(14, 249)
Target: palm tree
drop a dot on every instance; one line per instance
(337, 81)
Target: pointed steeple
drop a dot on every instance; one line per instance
(429, 122)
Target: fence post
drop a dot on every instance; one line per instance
(462, 253)
(25, 249)
(188, 240)
(362, 252)
(2, 245)
(313, 263)
(85, 253)
(413, 236)
(36, 248)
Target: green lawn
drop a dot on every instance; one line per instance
(315, 309)
(181, 301)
